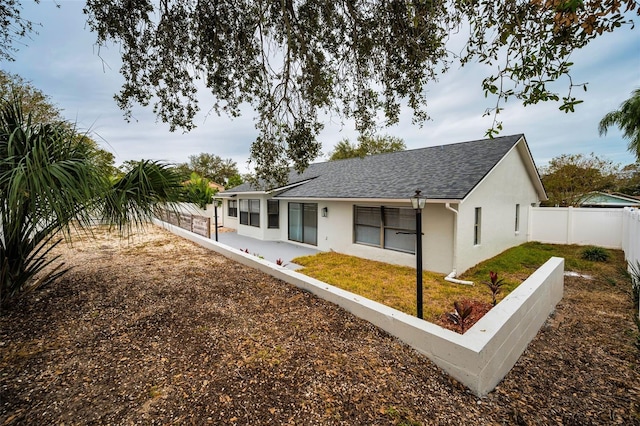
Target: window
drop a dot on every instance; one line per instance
(368, 221)
(254, 213)
(391, 228)
(517, 217)
(303, 223)
(273, 214)
(476, 226)
(233, 208)
(250, 212)
(400, 229)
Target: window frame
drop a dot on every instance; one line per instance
(517, 227)
(303, 227)
(477, 226)
(382, 214)
(232, 208)
(250, 212)
(273, 218)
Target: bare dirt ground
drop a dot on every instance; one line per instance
(161, 331)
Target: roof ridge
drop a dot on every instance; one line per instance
(452, 144)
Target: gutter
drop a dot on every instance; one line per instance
(452, 276)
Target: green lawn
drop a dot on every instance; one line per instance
(395, 286)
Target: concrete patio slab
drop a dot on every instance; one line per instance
(269, 250)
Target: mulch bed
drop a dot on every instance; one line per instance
(452, 322)
(161, 331)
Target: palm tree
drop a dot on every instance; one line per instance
(627, 118)
(49, 185)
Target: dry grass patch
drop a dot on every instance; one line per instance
(391, 285)
(395, 286)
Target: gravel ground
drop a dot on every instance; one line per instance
(160, 331)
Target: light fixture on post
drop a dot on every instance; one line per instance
(216, 203)
(325, 212)
(418, 202)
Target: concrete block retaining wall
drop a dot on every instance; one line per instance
(479, 359)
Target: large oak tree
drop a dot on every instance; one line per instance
(294, 60)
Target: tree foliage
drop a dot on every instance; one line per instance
(13, 27)
(293, 60)
(198, 191)
(41, 109)
(49, 182)
(209, 166)
(627, 118)
(367, 145)
(569, 177)
(34, 101)
(629, 179)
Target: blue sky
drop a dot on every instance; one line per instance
(63, 62)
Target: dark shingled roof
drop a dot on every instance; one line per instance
(441, 172)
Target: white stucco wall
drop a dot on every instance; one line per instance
(261, 232)
(497, 194)
(229, 221)
(336, 233)
(506, 186)
(438, 229)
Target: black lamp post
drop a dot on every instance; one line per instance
(215, 216)
(418, 201)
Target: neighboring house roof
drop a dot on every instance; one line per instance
(448, 172)
(603, 199)
(217, 186)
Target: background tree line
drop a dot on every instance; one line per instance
(568, 177)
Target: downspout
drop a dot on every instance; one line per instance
(452, 276)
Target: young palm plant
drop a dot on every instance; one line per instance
(495, 285)
(49, 184)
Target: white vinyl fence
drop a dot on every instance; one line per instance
(582, 226)
(611, 228)
(631, 235)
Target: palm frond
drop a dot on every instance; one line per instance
(136, 197)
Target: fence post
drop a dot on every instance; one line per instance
(530, 223)
(570, 225)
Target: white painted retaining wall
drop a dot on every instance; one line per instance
(582, 226)
(479, 359)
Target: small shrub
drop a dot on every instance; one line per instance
(280, 262)
(595, 254)
(495, 285)
(461, 314)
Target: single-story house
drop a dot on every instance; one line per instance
(478, 194)
(604, 199)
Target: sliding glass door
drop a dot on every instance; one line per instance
(303, 223)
